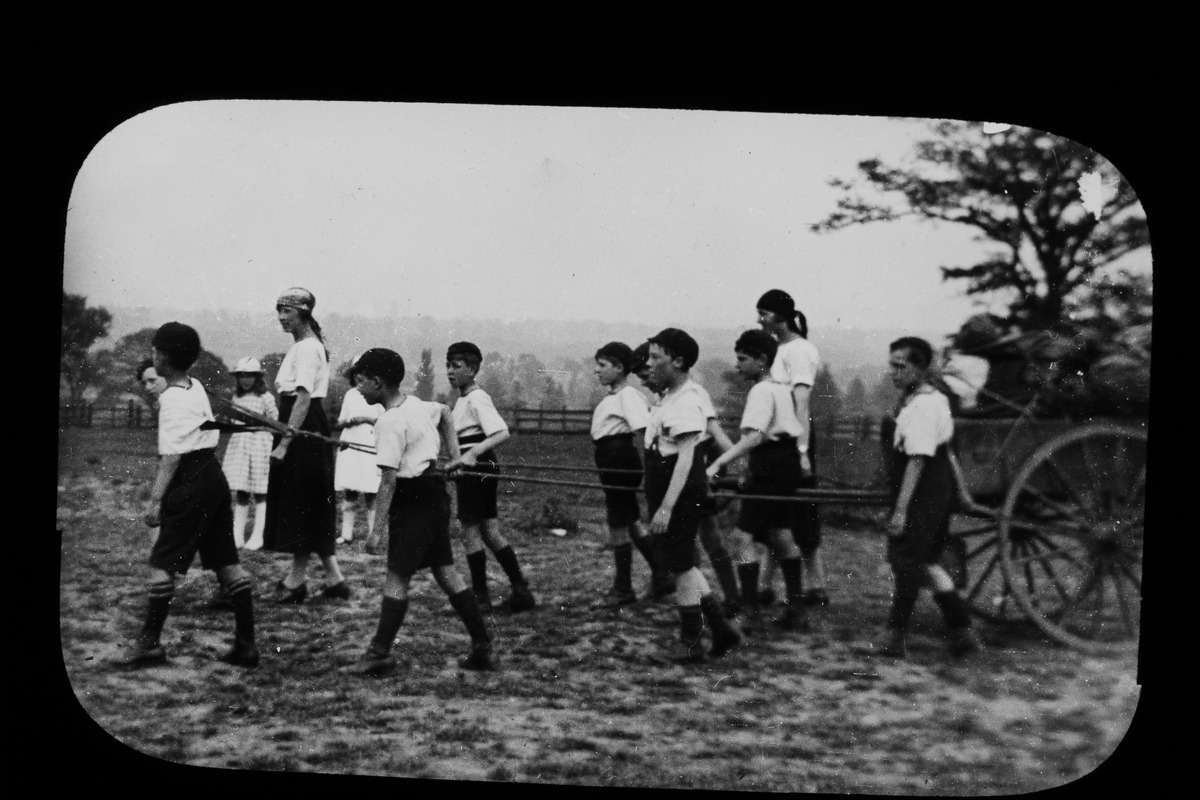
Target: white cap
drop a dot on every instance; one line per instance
(248, 365)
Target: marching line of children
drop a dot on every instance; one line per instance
(677, 423)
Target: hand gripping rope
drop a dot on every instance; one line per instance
(248, 420)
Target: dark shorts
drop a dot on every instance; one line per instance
(926, 528)
(476, 494)
(419, 525)
(619, 452)
(676, 549)
(807, 530)
(774, 469)
(196, 517)
(301, 501)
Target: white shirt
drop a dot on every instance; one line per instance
(622, 411)
(923, 423)
(965, 375)
(770, 410)
(180, 414)
(354, 405)
(475, 413)
(407, 438)
(681, 411)
(304, 367)
(796, 363)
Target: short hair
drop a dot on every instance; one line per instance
(467, 352)
(757, 343)
(618, 353)
(143, 366)
(179, 343)
(641, 357)
(918, 351)
(677, 344)
(379, 362)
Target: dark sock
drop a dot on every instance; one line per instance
(722, 565)
(241, 595)
(642, 543)
(508, 560)
(904, 599)
(954, 609)
(748, 578)
(714, 615)
(391, 617)
(158, 606)
(691, 625)
(465, 605)
(623, 557)
(477, 563)
(792, 580)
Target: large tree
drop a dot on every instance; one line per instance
(1054, 211)
(82, 325)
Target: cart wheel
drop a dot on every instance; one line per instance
(1071, 533)
(972, 558)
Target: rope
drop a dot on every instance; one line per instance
(231, 409)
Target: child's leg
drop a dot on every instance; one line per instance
(747, 568)
(348, 500)
(241, 515)
(472, 542)
(467, 607)
(718, 556)
(335, 581)
(787, 555)
(767, 560)
(392, 610)
(522, 599)
(239, 588)
(696, 603)
(622, 547)
(954, 610)
(146, 648)
(369, 499)
(260, 523)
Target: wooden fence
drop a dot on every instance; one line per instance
(520, 420)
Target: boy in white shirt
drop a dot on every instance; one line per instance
(412, 508)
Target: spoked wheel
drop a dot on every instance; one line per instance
(972, 557)
(1071, 533)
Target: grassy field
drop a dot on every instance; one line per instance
(581, 698)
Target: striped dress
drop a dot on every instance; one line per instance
(247, 462)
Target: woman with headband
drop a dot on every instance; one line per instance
(795, 365)
(301, 505)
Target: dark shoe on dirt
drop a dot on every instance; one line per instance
(142, 655)
(241, 655)
(732, 607)
(291, 596)
(480, 658)
(521, 600)
(618, 596)
(483, 599)
(688, 653)
(816, 597)
(375, 661)
(218, 602)
(894, 644)
(724, 641)
(766, 597)
(793, 618)
(963, 642)
(339, 591)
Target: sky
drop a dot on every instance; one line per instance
(657, 216)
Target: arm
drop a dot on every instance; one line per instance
(383, 504)
(449, 436)
(299, 412)
(750, 440)
(471, 457)
(908, 484)
(683, 465)
(800, 399)
(167, 465)
(718, 435)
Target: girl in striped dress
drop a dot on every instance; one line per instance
(247, 462)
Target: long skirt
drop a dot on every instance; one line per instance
(301, 501)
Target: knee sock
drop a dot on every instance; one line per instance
(241, 594)
(792, 580)
(623, 558)
(691, 625)
(241, 514)
(508, 560)
(391, 617)
(954, 610)
(370, 517)
(714, 616)
(467, 607)
(642, 543)
(158, 606)
(722, 564)
(748, 578)
(477, 562)
(260, 521)
(904, 599)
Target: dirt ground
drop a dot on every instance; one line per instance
(582, 698)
